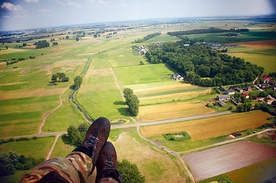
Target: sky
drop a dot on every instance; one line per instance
(25, 14)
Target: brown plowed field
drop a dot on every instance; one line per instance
(220, 160)
(259, 44)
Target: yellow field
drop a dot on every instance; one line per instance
(172, 97)
(172, 110)
(3, 65)
(30, 93)
(211, 127)
(142, 89)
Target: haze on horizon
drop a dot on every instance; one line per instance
(25, 14)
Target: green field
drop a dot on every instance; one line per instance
(61, 149)
(142, 74)
(41, 146)
(262, 57)
(260, 172)
(23, 115)
(252, 35)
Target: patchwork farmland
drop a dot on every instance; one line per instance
(29, 107)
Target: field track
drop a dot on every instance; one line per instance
(220, 160)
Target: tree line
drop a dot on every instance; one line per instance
(42, 44)
(205, 31)
(201, 65)
(12, 161)
(132, 101)
(147, 37)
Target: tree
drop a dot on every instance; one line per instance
(77, 38)
(42, 44)
(133, 104)
(274, 104)
(127, 92)
(55, 43)
(60, 76)
(12, 161)
(6, 166)
(74, 135)
(263, 94)
(65, 79)
(132, 101)
(83, 127)
(77, 81)
(190, 76)
(54, 78)
(130, 172)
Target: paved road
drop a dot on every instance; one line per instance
(170, 120)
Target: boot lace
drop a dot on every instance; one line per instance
(92, 141)
(108, 164)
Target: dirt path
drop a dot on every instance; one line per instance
(53, 146)
(46, 114)
(178, 157)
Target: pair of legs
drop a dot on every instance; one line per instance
(95, 151)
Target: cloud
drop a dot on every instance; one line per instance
(108, 3)
(44, 11)
(11, 7)
(99, 1)
(73, 4)
(31, 1)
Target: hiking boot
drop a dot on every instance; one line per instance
(96, 136)
(107, 162)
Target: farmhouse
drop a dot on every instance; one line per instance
(245, 95)
(177, 77)
(223, 98)
(239, 90)
(221, 103)
(142, 50)
(268, 101)
(231, 91)
(266, 79)
(247, 88)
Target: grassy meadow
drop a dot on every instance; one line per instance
(41, 146)
(262, 53)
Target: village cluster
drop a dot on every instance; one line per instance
(229, 92)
